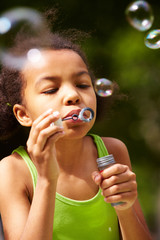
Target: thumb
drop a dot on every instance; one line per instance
(96, 176)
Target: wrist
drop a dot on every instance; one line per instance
(43, 182)
(124, 212)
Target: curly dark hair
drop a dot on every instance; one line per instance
(12, 81)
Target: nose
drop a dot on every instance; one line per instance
(71, 97)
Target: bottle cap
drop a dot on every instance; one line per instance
(105, 161)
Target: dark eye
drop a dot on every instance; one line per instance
(83, 85)
(51, 91)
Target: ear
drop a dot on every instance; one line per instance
(21, 115)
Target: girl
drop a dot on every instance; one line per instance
(51, 188)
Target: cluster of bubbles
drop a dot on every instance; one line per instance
(31, 21)
(140, 16)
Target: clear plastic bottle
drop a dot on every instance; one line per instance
(105, 162)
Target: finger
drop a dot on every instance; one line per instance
(39, 124)
(47, 121)
(52, 132)
(115, 169)
(39, 119)
(123, 197)
(119, 188)
(119, 178)
(97, 178)
(54, 138)
(45, 142)
(42, 116)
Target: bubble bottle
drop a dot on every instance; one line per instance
(103, 163)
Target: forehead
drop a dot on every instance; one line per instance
(55, 61)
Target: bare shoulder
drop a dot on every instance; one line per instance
(8, 168)
(12, 166)
(118, 149)
(15, 195)
(14, 176)
(8, 163)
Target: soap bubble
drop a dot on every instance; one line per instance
(139, 15)
(103, 87)
(152, 40)
(11, 22)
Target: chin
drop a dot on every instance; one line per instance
(76, 133)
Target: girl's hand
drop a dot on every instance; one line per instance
(118, 184)
(41, 144)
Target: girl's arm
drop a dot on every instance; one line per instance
(132, 224)
(118, 184)
(23, 218)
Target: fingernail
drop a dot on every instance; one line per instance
(94, 174)
(55, 114)
(49, 110)
(97, 178)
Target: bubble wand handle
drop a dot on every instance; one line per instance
(73, 117)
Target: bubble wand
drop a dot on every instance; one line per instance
(75, 117)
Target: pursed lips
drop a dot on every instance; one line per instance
(71, 113)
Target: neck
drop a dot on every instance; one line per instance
(71, 153)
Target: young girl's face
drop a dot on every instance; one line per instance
(61, 82)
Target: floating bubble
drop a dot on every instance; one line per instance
(13, 21)
(139, 15)
(103, 87)
(152, 40)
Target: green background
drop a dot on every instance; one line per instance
(116, 51)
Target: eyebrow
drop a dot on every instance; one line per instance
(50, 78)
(74, 75)
(54, 78)
(81, 73)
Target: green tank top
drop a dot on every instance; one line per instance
(92, 219)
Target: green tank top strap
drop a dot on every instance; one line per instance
(22, 152)
(101, 148)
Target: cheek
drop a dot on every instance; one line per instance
(93, 101)
(34, 109)
(35, 105)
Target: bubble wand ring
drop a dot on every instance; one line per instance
(89, 118)
(80, 116)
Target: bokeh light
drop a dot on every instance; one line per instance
(140, 15)
(13, 21)
(34, 55)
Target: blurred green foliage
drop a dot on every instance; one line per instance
(117, 51)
